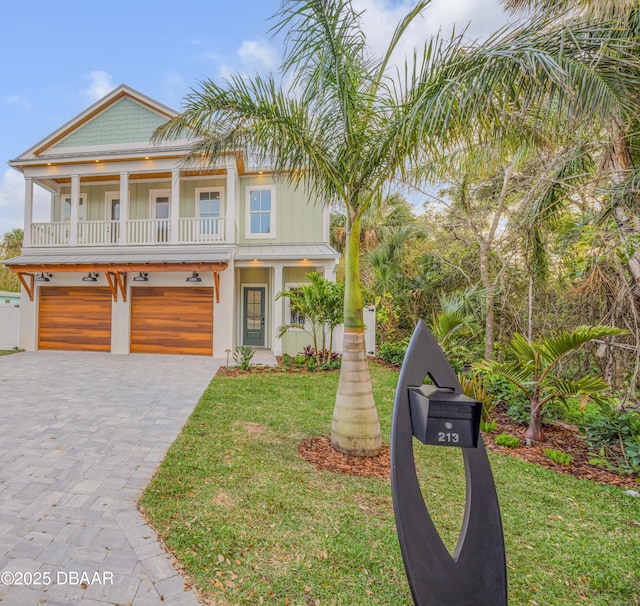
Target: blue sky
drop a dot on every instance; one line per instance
(60, 57)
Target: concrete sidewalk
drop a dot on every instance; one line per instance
(81, 435)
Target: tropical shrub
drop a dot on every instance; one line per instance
(393, 353)
(319, 304)
(614, 438)
(243, 355)
(533, 369)
(475, 386)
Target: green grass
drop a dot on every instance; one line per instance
(255, 524)
(6, 352)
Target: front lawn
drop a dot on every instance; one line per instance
(255, 524)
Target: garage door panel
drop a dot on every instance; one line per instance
(174, 320)
(75, 318)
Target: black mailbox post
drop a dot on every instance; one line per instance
(441, 415)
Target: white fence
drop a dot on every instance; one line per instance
(369, 332)
(9, 326)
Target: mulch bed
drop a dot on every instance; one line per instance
(560, 436)
(319, 452)
(234, 371)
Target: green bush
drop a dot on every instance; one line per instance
(504, 439)
(563, 458)
(614, 438)
(514, 401)
(286, 360)
(393, 353)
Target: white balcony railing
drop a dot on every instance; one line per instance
(50, 234)
(148, 231)
(98, 232)
(199, 229)
(192, 230)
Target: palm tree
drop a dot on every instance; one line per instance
(533, 367)
(347, 125)
(620, 152)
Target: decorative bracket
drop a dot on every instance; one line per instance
(216, 282)
(476, 574)
(117, 282)
(27, 286)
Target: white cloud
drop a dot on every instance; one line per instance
(380, 18)
(252, 55)
(17, 99)
(101, 85)
(12, 202)
(257, 54)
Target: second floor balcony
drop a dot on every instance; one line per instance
(191, 230)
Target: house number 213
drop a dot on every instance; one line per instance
(448, 437)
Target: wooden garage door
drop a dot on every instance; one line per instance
(73, 317)
(172, 320)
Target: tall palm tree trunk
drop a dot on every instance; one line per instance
(355, 429)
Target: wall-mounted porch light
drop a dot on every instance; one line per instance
(141, 277)
(90, 277)
(194, 277)
(43, 277)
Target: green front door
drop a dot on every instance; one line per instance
(253, 327)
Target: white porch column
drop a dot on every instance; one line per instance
(278, 309)
(124, 208)
(329, 272)
(28, 210)
(230, 205)
(75, 201)
(174, 207)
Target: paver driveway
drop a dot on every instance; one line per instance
(81, 434)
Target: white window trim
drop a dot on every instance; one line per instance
(158, 193)
(287, 309)
(109, 196)
(247, 214)
(220, 190)
(82, 197)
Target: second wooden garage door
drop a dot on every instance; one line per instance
(172, 320)
(77, 318)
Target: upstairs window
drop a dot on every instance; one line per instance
(209, 208)
(261, 212)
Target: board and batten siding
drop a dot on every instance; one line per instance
(297, 218)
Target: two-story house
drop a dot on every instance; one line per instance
(144, 252)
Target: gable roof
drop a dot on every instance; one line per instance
(94, 127)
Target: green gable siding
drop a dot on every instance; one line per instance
(123, 122)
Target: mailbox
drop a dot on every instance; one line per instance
(442, 417)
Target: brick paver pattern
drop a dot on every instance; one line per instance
(81, 435)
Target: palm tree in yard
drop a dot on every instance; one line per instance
(347, 125)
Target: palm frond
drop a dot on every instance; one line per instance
(563, 342)
(522, 349)
(586, 385)
(515, 373)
